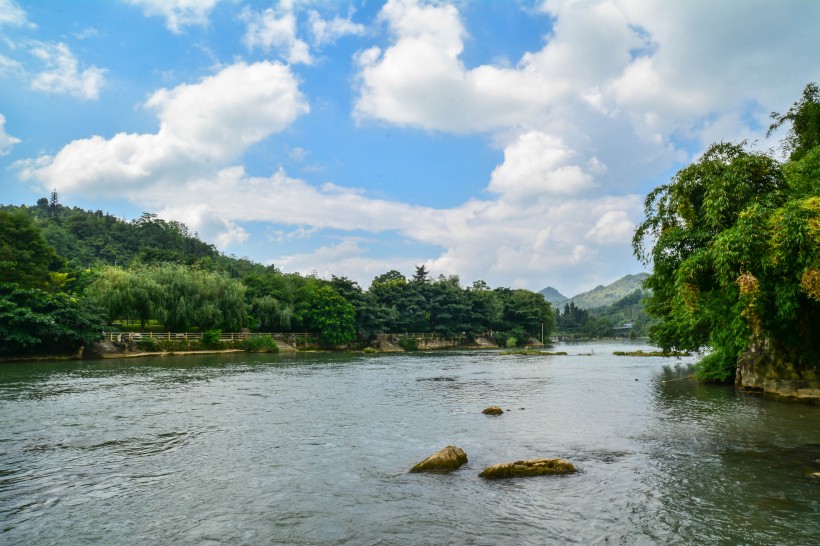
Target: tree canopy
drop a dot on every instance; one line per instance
(734, 241)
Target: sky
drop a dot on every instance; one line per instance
(506, 141)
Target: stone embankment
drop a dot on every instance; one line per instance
(760, 370)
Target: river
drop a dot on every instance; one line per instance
(315, 448)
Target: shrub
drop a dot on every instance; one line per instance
(260, 344)
(148, 344)
(511, 342)
(408, 343)
(210, 338)
(715, 367)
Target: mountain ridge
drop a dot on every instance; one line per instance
(601, 295)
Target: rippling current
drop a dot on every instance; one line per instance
(315, 449)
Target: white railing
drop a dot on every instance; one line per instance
(299, 339)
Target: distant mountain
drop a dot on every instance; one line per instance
(553, 296)
(602, 296)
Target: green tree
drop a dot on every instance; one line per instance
(33, 320)
(803, 119)
(333, 317)
(736, 251)
(26, 258)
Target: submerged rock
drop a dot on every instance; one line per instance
(493, 410)
(532, 467)
(442, 461)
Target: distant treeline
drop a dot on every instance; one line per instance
(54, 258)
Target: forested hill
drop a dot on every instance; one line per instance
(603, 296)
(90, 239)
(61, 267)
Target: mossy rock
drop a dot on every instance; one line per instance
(445, 460)
(524, 469)
(492, 410)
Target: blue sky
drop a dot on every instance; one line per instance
(511, 142)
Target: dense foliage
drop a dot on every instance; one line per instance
(156, 273)
(734, 240)
(39, 309)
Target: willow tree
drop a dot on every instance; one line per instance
(734, 242)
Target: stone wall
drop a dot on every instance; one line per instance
(761, 370)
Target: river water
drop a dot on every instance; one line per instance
(315, 449)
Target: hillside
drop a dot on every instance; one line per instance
(553, 296)
(602, 296)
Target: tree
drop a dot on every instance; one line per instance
(35, 320)
(26, 259)
(736, 251)
(804, 118)
(333, 317)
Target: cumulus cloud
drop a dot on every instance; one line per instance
(537, 166)
(275, 29)
(613, 226)
(63, 74)
(6, 141)
(203, 126)
(419, 81)
(349, 257)
(583, 120)
(11, 14)
(327, 31)
(481, 239)
(207, 224)
(177, 13)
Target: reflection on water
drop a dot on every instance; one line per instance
(315, 448)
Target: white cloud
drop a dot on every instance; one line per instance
(63, 74)
(6, 140)
(11, 14)
(177, 13)
(275, 28)
(347, 258)
(600, 106)
(537, 166)
(208, 224)
(613, 226)
(494, 240)
(420, 81)
(203, 126)
(8, 65)
(327, 31)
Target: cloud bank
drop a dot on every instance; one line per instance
(618, 93)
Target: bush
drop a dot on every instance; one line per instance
(408, 343)
(210, 338)
(511, 342)
(716, 367)
(260, 344)
(148, 344)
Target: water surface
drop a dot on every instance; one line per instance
(315, 448)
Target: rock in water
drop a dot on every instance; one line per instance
(532, 467)
(445, 460)
(493, 410)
